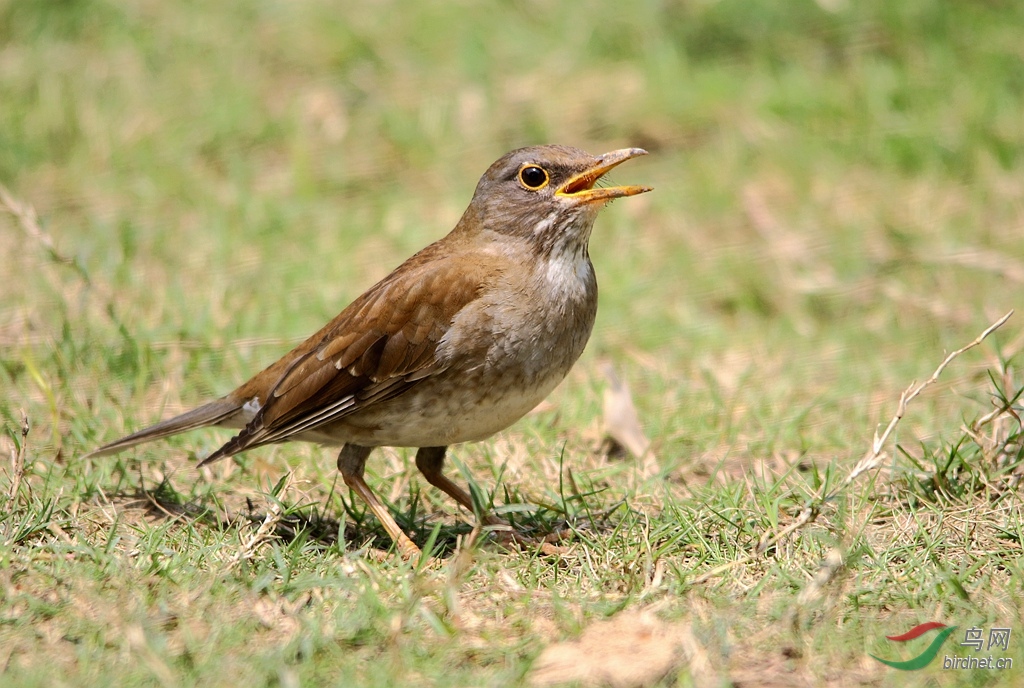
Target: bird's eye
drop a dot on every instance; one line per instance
(533, 177)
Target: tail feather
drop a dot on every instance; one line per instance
(209, 414)
(231, 447)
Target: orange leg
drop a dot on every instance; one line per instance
(430, 461)
(351, 463)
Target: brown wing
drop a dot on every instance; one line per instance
(374, 350)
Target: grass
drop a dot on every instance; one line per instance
(838, 204)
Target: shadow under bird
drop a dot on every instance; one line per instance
(459, 342)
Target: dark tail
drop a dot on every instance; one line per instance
(210, 414)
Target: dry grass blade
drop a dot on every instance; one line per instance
(28, 218)
(29, 221)
(265, 531)
(270, 522)
(875, 455)
(18, 462)
(14, 491)
(871, 460)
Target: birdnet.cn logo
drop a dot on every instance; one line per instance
(975, 640)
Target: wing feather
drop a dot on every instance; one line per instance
(378, 348)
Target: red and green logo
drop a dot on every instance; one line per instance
(930, 652)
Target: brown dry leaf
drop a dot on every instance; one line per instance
(628, 650)
(622, 423)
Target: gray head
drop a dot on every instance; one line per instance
(546, 194)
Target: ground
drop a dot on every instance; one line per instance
(838, 206)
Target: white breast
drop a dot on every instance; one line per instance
(570, 275)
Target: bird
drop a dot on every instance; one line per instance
(456, 344)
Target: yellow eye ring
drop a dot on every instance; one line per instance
(533, 177)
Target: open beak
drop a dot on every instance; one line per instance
(580, 188)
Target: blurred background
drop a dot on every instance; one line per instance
(839, 194)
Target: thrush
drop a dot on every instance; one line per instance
(459, 342)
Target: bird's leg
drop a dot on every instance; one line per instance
(430, 461)
(351, 462)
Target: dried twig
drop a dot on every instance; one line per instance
(872, 459)
(875, 456)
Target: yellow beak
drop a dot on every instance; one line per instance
(580, 188)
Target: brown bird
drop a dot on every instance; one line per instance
(459, 342)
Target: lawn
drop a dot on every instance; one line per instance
(189, 189)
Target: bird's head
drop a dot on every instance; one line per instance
(547, 195)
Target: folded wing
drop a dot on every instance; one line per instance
(378, 348)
